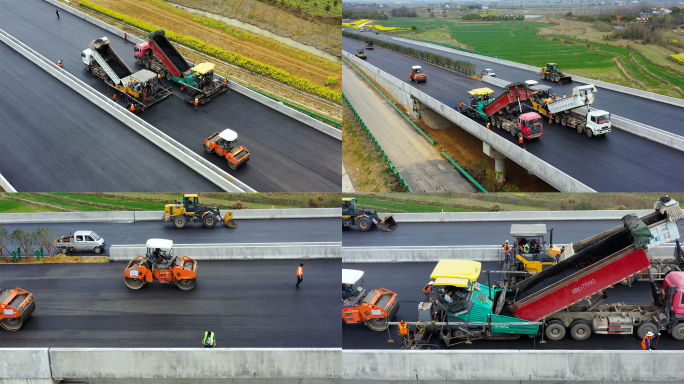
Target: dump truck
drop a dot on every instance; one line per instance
(160, 264)
(528, 252)
(364, 219)
(375, 307)
(417, 74)
(160, 56)
(565, 111)
(80, 241)
(552, 73)
(502, 111)
(369, 44)
(547, 302)
(659, 268)
(224, 144)
(190, 210)
(139, 89)
(16, 306)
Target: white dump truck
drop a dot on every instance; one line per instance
(80, 241)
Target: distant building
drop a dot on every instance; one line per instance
(484, 7)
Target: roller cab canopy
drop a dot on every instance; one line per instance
(539, 87)
(481, 91)
(528, 230)
(351, 276)
(203, 68)
(457, 273)
(228, 135)
(162, 244)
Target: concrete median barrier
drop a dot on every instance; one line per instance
(191, 364)
(513, 216)
(25, 363)
(246, 251)
(404, 93)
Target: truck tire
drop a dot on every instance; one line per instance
(555, 330)
(162, 73)
(209, 221)
(87, 67)
(589, 132)
(556, 119)
(364, 224)
(140, 61)
(564, 122)
(580, 128)
(147, 64)
(180, 221)
(580, 330)
(678, 331)
(645, 327)
(168, 76)
(514, 133)
(64, 250)
(97, 249)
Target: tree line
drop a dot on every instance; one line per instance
(26, 241)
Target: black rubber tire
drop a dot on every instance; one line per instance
(97, 249)
(678, 331)
(564, 122)
(556, 119)
(87, 67)
(139, 61)
(208, 149)
(645, 327)
(588, 132)
(555, 330)
(168, 76)
(64, 250)
(513, 132)
(364, 224)
(180, 221)
(580, 330)
(209, 221)
(580, 129)
(162, 73)
(147, 64)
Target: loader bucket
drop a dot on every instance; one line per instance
(565, 80)
(389, 224)
(228, 220)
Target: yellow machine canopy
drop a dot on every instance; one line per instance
(481, 91)
(203, 68)
(456, 273)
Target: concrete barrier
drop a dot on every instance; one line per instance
(144, 129)
(189, 364)
(514, 216)
(290, 112)
(238, 251)
(495, 81)
(250, 214)
(403, 93)
(598, 83)
(409, 254)
(6, 186)
(24, 363)
(505, 365)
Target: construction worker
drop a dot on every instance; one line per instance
(300, 273)
(158, 78)
(196, 102)
(403, 328)
(554, 97)
(564, 95)
(126, 37)
(520, 141)
(133, 108)
(57, 12)
(460, 106)
(488, 126)
(60, 63)
(209, 340)
(646, 342)
(114, 97)
(550, 118)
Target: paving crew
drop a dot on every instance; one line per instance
(196, 102)
(57, 12)
(648, 339)
(460, 106)
(300, 273)
(209, 340)
(520, 141)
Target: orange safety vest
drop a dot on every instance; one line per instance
(487, 125)
(300, 271)
(114, 97)
(460, 105)
(403, 328)
(196, 101)
(505, 246)
(132, 108)
(550, 117)
(427, 288)
(159, 76)
(59, 64)
(644, 346)
(520, 139)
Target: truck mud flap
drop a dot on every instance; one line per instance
(389, 224)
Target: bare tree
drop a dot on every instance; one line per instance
(45, 238)
(23, 239)
(4, 241)
(237, 9)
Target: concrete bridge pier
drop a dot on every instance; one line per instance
(499, 161)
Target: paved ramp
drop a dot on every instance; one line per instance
(419, 162)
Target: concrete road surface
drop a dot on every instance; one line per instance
(419, 162)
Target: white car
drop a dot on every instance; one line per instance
(488, 72)
(530, 83)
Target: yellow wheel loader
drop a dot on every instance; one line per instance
(364, 219)
(190, 210)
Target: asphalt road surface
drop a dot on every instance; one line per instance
(57, 141)
(649, 112)
(248, 304)
(419, 162)
(616, 162)
(470, 233)
(248, 231)
(408, 280)
(286, 155)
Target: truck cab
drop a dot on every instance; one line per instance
(673, 292)
(140, 50)
(599, 122)
(530, 125)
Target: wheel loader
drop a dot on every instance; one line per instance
(362, 218)
(552, 73)
(375, 308)
(16, 306)
(160, 264)
(190, 210)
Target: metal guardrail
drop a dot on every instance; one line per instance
(394, 169)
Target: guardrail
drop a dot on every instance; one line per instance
(146, 130)
(402, 91)
(394, 169)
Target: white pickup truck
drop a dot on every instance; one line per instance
(80, 241)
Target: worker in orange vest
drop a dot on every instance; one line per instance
(158, 78)
(403, 332)
(114, 97)
(59, 63)
(132, 107)
(196, 102)
(126, 37)
(460, 106)
(520, 141)
(487, 126)
(505, 246)
(300, 273)
(550, 118)
(646, 342)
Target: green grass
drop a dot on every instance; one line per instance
(13, 206)
(401, 206)
(125, 204)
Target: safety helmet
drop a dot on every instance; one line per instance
(649, 333)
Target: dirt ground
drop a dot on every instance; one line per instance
(56, 259)
(149, 12)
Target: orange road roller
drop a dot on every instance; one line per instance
(160, 264)
(375, 308)
(16, 306)
(225, 145)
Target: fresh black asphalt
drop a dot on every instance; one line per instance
(616, 162)
(248, 304)
(286, 155)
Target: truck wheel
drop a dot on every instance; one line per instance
(140, 61)
(564, 122)
(168, 76)
(580, 330)
(64, 250)
(147, 64)
(364, 224)
(589, 132)
(678, 331)
(209, 221)
(180, 221)
(555, 330)
(580, 128)
(97, 250)
(556, 120)
(87, 67)
(645, 327)
(162, 73)
(513, 132)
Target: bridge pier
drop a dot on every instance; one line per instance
(499, 161)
